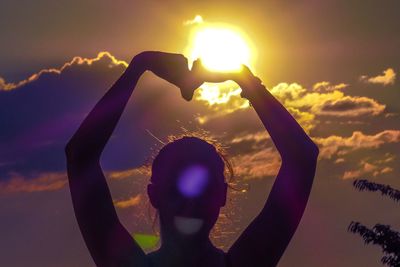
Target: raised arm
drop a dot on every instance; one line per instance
(108, 241)
(264, 241)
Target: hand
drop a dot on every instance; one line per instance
(172, 68)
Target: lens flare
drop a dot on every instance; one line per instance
(193, 180)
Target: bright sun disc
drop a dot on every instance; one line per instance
(220, 49)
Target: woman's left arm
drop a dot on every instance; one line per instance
(264, 241)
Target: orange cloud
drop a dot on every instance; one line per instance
(133, 201)
(367, 169)
(338, 145)
(52, 181)
(252, 137)
(49, 181)
(388, 77)
(257, 164)
(75, 61)
(130, 173)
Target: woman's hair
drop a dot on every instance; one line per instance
(187, 150)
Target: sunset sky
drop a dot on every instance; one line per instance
(334, 65)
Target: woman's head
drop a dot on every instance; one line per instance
(188, 185)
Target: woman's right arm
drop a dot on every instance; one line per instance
(108, 241)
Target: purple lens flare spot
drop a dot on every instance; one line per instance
(193, 180)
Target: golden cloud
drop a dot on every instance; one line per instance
(331, 103)
(196, 20)
(388, 77)
(325, 86)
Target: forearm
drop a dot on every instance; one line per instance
(288, 136)
(90, 139)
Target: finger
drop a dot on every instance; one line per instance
(197, 65)
(184, 62)
(187, 92)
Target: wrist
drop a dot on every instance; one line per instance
(251, 86)
(137, 66)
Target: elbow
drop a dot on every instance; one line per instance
(69, 152)
(80, 155)
(307, 152)
(313, 151)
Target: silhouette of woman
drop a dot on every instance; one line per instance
(187, 183)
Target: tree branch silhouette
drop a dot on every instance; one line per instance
(382, 235)
(386, 190)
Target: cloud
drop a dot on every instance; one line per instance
(251, 137)
(196, 20)
(130, 173)
(53, 181)
(75, 61)
(132, 201)
(17, 183)
(262, 160)
(224, 99)
(43, 113)
(257, 164)
(338, 145)
(325, 86)
(366, 168)
(221, 99)
(388, 77)
(332, 103)
(349, 106)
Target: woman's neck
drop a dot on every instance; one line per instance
(185, 250)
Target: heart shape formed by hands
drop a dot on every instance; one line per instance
(174, 69)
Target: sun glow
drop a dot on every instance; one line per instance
(220, 49)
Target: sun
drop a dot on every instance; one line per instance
(220, 49)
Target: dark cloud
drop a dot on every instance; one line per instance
(39, 115)
(351, 107)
